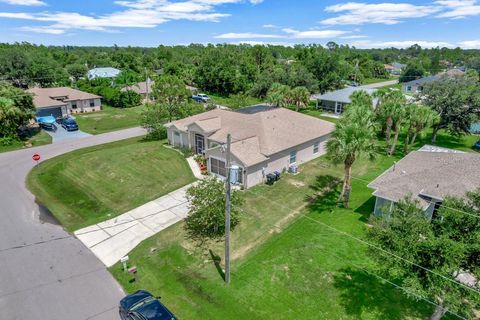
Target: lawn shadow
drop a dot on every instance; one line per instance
(325, 196)
(216, 260)
(366, 209)
(360, 291)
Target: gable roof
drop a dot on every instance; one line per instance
(342, 95)
(141, 87)
(430, 172)
(45, 97)
(422, 81)
(257, 136)
(106, 72)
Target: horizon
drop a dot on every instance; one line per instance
(151, 23)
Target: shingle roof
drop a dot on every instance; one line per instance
(263, 133)
(140, 88)
(429, 173)
(44, 97)
(106, 72)
(342, 95)
(422, 81)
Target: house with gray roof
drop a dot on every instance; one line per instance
(264, 140)
(106, 72)
(427, 176)
(416, 86)
(336, 101)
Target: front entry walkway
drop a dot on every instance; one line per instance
(112, 239)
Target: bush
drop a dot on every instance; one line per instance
(6, 141)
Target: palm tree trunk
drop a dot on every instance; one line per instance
(347, 180)
(413, 138)
(388, 133)
(434, 134)
(407, 140)
(440, 311)
(395, 139)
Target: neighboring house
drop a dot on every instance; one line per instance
(416, 86)
(395, 68)
(428, 176)
(336, 101)
(142, 88)
(264, 140)
(62, 101)
(107, 72)
(475, 128)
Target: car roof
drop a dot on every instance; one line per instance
(133, 298)
(154, 310)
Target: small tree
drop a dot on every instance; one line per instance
(418, 118)
(171, 92)
(446, 245)
(206, 219)
(300, 97)
(353, 137)
(153, 119)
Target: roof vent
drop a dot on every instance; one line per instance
(404, 172)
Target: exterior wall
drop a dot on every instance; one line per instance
(180, 141)
(84, 106)
(331, 106)
(407, 88)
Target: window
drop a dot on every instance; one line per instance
(218, 167)
(293, 157)
(409, 88)
(316, 146)
(92, 103)
(176, 133)
(74, 105)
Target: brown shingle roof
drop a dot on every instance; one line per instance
(429, 174)
(263, 133)
(44, 97)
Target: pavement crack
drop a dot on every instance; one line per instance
(34, 244)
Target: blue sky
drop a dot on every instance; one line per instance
(364, 24)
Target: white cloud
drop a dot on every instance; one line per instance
(356, 13)
(136, 14)
(400, 44)
(247, 35)
(458, 9)
(314, 34)
(354, 37)
(271, 26)
(470, 44)
(25, 2)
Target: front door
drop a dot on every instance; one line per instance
(199, 143)
(338, 107)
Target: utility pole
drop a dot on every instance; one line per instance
(227, 213)
(146, 84)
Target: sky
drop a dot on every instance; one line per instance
(364, 24)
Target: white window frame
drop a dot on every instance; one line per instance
(210, 166)
(293, 154)
(316, 147)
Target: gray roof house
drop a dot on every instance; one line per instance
(264, 140)
(106, 72)
(428, 176)
(335, 101)
(416, 86)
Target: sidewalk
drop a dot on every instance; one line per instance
(112, 239)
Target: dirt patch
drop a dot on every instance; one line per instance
(296, 183)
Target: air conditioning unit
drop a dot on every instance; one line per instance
(293, 169)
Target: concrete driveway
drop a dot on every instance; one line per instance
(112, 239)
(63, 135)
(45, 272)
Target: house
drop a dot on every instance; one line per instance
(62, 101)
(143, 88)
(107, 72)
(395, 68)
(264, 140)
(336, 101)
(416, 86)
(428, 176)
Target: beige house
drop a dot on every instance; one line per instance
(428, 176)
(142, 88)
(263, 141)
(62, 101)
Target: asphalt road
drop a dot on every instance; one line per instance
(380, 84)
(45, 272)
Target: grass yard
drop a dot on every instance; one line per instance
(377, 80)
(287, 262)
(39, 139)
(90, 185)
(109, 119)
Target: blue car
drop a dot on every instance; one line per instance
(477, 145)
(69, 124)
(142, 305)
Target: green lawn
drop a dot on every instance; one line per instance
(286, 263)
(39, 139)
(97, 183)
(109, 119)
(377, 80)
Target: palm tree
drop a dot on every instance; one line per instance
(419, 118)
(391, 110)
(300, 97)
(278, 95)
(353, 137)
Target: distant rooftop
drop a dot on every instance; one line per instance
(342, 95)
(106, 72)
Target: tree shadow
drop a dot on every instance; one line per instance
(325, 196)
(216, 260)
(366, 209)
(360, 291)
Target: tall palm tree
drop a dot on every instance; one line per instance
(300, 97)
(279, 95)
(354, 136)
(418, 118)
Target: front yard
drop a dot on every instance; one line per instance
(97, 183)
(39, 139)
(109, 119)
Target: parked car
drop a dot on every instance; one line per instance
(477, 145)
(142, 305)
(201, 97)
(69, 124)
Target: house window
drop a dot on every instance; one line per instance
(409, 88)
(316, 146)
(293, 157)
(218, 167)
(176, 133)
(74, 105)
(92, 103)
